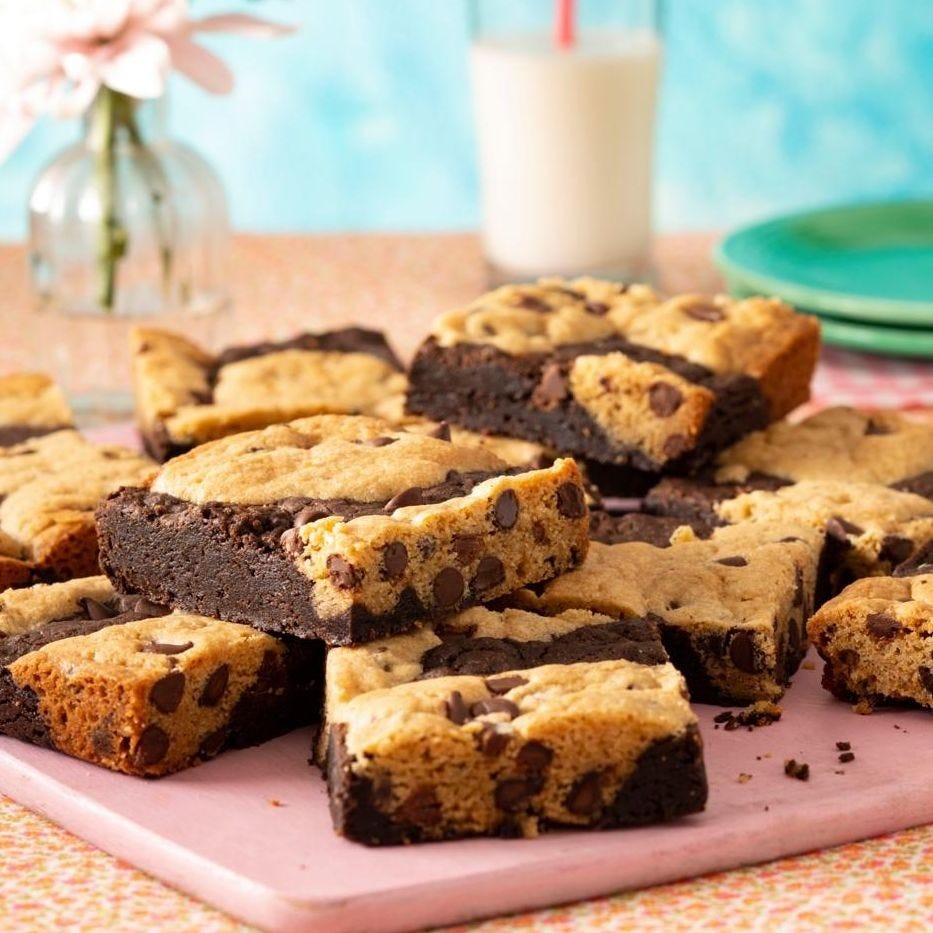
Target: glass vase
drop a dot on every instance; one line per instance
(127, 227)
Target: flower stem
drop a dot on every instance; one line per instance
(111, 243)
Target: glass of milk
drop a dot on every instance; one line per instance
(565, 133)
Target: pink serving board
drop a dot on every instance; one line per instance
(215, 832)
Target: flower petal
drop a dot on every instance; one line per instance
(200, 65)
(138, 67)
(241, 23)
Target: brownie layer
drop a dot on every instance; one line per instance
(668, 781)
(640, 526)
(11, 434)
(526, 396)
(461, 653)
(346, 340)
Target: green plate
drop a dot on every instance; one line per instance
(875, 338)
(865, 262)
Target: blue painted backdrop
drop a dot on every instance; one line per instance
(361, 120)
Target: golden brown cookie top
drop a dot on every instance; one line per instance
(28, 608)
(842, 444)
(324, 456)
(723, 334)
(32, 399)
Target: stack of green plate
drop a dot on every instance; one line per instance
(865, 269)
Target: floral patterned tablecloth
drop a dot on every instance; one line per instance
(49, 879)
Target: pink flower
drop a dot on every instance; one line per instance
(55, 55)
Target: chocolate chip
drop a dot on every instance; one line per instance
(494, 705)
(201, 396)
(166, 694)
(466, 547)
(159, 647)
(102, 742)
(95, 610)
(846, 757)
(499, 685)
(143, 608)
(448, 588)
(151, 748)
(736, 561)
(848, 657)
(534, 756)
(310, 513)
(342, 573)
(511, 794)
(291, 542)
(394, 560)
(539, 532)
(492, 742)
(704, 311)
(505, 511)
(843, 746)
(882, 625)
(410, 496)
(215, 686)
(895, 549)
(422, 808)
(489, 573)
(675, 445)
(798, 588)
(839, 528)
(456, 710)
(874, 428)
(742, 652)
(570, 501)
(533, 304)
(926, 679)
(664, 399)
(441, 432)
(599, 308)
(212, 743)
(569, 292)
(551, 389)
(585, 797)
(380, 441)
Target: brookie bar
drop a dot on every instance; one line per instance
(507, 724)
(341, 528)
(118, 682)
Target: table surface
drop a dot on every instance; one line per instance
(50, 879)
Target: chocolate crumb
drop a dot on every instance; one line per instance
(797, 769)
(844, 746)
(846, 757)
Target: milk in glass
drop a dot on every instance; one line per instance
(565, 142)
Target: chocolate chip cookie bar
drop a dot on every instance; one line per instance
(118, 682)
(186, 396)
(835, 445)
(612, 373)
(508, 724)
(732, 609)
(49, 487)
(31, 404)
(341, 528)
(875, 639)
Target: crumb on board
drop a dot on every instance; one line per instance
(797, 769)
(864, 707)
(846, 757)
(808, 665)
(743, 778)
(844, 746)
(275, 802)
(762, 713)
